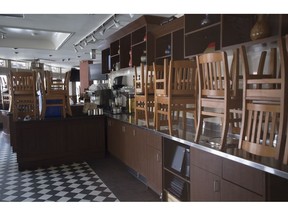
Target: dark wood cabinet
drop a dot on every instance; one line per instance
(131, 42)
(56, 141)
(154, 162)
(169, 41)
(236, 28)
(205, 186)
(202, 32)
(137, 148)
(206, 171)
(115, 138)
(106, 66)
(216, 179)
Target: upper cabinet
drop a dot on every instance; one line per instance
(209, 32)
(202, 33)
(252, 28)
(169, 41)
(132, 44)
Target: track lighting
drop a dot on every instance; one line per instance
(85, 43)
(106, 25)
(103, 30)
(116, 23)
(93, 38)
(3, 35)
(75, 49)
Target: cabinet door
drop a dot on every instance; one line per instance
(204, 186)
(140, 152)
(115, 139)
(233, 192)
(154, 162)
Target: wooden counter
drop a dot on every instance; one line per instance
(57, 141)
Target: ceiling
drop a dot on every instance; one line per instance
(51, 37)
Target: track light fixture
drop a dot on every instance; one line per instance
(101, 29)
(75, 49)
(116, 23)
(94, 39)
(85, 42)
(3, 35)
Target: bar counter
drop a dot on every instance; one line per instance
(208, 144)
(42, 143)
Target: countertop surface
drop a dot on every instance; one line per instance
(208, 143)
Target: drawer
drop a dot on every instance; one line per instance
(206, 161)
(233, 192)
(244, 176)
(154, 140)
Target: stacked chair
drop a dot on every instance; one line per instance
(24, 103)
(263, 131)
(144, 93)
(175, 92)
(218, 92)
(55, 93)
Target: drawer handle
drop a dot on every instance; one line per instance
(216, 186)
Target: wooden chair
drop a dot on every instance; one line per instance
(216, 96)
(57, 88)
(144, 93)
(23, 95)
(175, 92)
(265, 107)
(53, 93)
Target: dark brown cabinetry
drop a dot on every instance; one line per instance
(55, 141)
(154, 162)
(217, 179)
(169, 41)
(139, 149)
(206, 32)
(202, 31)
(106, 66)
(206, 171)
(131, 42)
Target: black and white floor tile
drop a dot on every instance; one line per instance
(75, 182)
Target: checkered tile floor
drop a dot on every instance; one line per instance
(75, 182)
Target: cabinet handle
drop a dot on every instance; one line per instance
(134, 132)
(123, 129)
(216, 186)
(157, 157)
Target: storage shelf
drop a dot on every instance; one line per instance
(203, 28)
(186, 179)
(139, 43)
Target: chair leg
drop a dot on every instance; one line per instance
(199, 128)
(224, 132)
(146, 114)
(169, 120)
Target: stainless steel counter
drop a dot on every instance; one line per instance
(208, 143)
